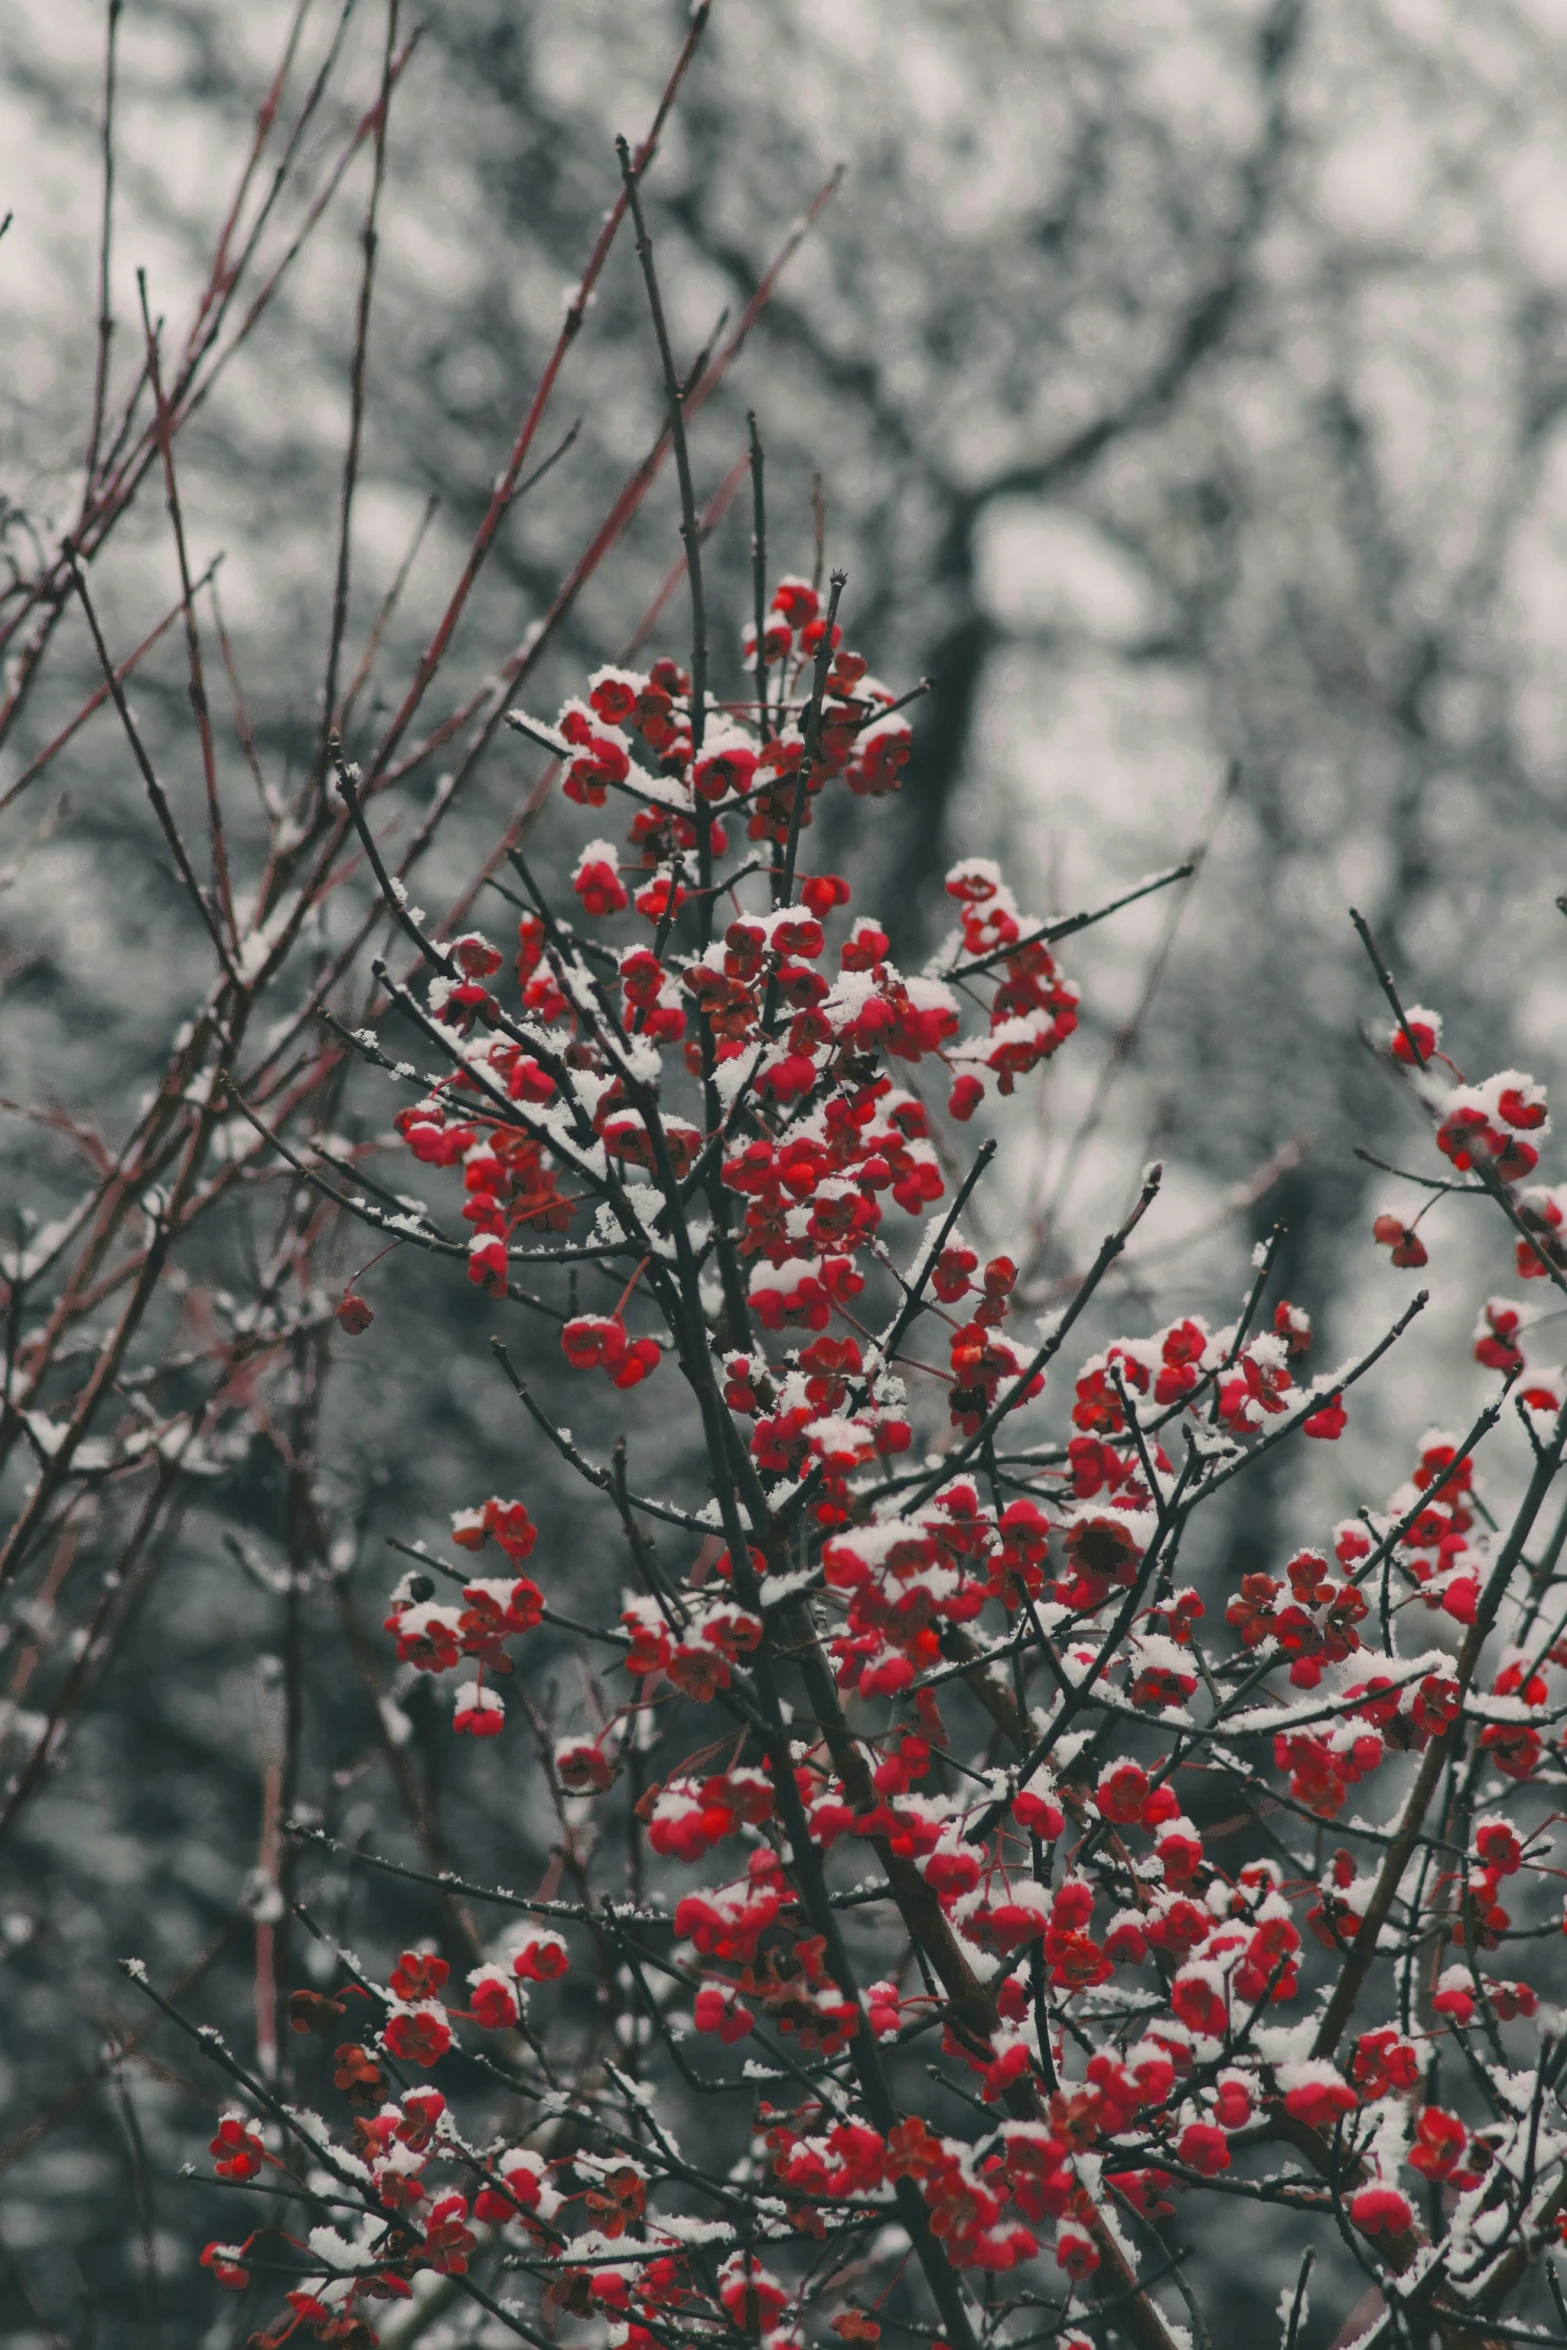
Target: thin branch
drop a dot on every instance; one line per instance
(759, 571)
(369, 237)
(155, 792)
(674, 395)
(783, 885)
(100, 390)
(1385, 982)
(99, 695)
(198, 688)
(511, 474)
(389, 604)
(1068, 927)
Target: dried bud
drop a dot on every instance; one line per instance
(313, 2011)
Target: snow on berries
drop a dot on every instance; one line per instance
(1495, 1129)
(923, 1734)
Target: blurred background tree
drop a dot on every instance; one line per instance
(1183, 386)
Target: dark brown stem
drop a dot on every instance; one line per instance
(155, 791)
(100, 389)
(369, 238)
(198, 687)
(675, 401)
(1385, 982)
(1346, 1991)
